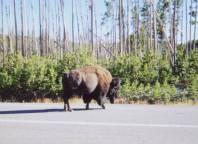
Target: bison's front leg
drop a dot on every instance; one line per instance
(87, 99)
(67, 106)
(66, 102)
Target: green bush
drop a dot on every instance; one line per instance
(149, 79)
(193, 89)
(149, 69)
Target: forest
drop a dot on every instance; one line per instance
(152, 45)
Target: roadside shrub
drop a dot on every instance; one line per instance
(148, 79)
(193, 90)
(149, 69)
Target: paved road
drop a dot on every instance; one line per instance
(118, 124)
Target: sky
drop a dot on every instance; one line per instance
(82, 8)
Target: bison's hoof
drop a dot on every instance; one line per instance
(68, 110)
(103, 107)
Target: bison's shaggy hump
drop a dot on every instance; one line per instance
(104, 76)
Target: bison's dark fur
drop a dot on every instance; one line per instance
(114, 89)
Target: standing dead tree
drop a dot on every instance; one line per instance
(40, 30)
(15, 23)
(64, 30)
(91, 31)
(22, 29)
(2, 31)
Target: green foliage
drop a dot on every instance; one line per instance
(149, 79)
(5, 80)
(193, 89)
(152, 79)
(157, 91)
(186, 67)
(165, 70)
(167, 92)
(76, 59)
(149, 69)
(126, 67)
(38, 77)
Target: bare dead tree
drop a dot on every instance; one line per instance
(9, 39)
(73, 25)
(2, 32)
(195, 24)
(40, 30)
(191, 6)
(182, 25)
(174, 33)
(15, 22)
(77, 21)
(34, 45)
(58, 25)
(186, 3)
(128, 36)
(46, 47)
(120, 27)
(138, 27)
(96, 30)
(114, 17)
(151, 25)
(22, 30)
(123, 26)
(91, 31)
(64, 30)
(154, 28)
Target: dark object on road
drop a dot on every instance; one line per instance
(113, 92)
(90, 82)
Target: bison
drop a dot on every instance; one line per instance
(91, 82)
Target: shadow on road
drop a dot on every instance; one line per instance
(43, 111)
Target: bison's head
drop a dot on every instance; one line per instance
(114, 89)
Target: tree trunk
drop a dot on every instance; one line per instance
(123, 27)
(174, 34)
(128, 36)
(120, 28)
(22, 30)
(187, 27)
(15, 22)
(190, 26)
(92, 41)
(2, 32)
(64, 30)
(78, 25)
(34, 46)
(40, 31)
(73, 25)
(9, 39)
(195, 28)
(182, 25)
(150, 26)
(154, 28)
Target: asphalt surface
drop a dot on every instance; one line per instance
(117, 124)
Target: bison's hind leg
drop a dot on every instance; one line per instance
(87, 99)
(101, 100)
(103, 106)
